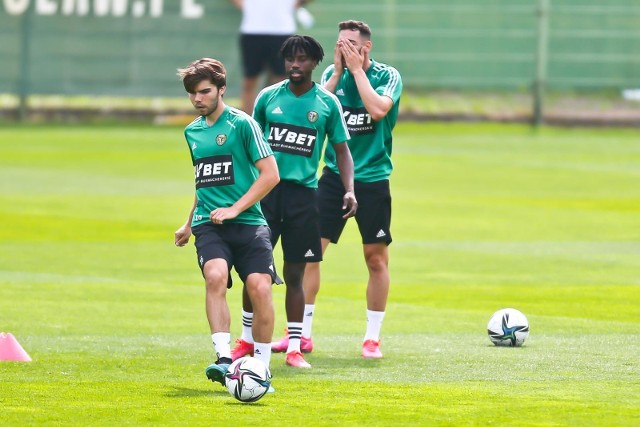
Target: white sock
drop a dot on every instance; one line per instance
(262, 351)
(307, 320)
(374, 324)
(222, 344)
(295, 331)
(247, 323)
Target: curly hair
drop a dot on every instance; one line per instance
(306, 44)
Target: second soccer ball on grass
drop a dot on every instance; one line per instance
(508, 328)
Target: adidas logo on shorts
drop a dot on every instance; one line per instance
(309, 254)
(380, 234)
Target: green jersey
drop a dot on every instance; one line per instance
(297, 126)
(224, 156)
(370, 142)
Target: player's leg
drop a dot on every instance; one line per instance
(311, 280)
(300, 244)
(376, 256)
(311, 285)
(254, 264)
(294, 305)
(374, 221)
(216, 275)
(214, 258)
(329, 202)
(244, 345)
(270, 208)
(377, 259)
(258, 287)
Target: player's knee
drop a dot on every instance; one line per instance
(216, 280)
(293, 281)
(377, 262)
(312, 268)
(258, 288)
(293, 274)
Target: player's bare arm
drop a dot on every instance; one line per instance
(345, 166)
(267, 179)
(183, 233)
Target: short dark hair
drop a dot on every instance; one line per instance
(361, 27)
(203, 69)
(306, 44)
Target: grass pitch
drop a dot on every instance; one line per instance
(485, 217)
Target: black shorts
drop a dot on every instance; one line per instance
(260, 52)
(292, 213)
(374, 208)
(245, 247)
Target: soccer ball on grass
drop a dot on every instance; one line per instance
(508, 328)
(248, 379)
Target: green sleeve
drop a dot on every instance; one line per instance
(337, 128)
(255, 143)
(259, 111)
(326, 74)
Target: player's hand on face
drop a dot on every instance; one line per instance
(349, 203)
(352, 58)
(182, 235)
(337, 58)
(217, 216)
(365, 53)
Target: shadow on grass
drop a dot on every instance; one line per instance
(321, 363)
(192, 392)
(233, 403)
(182, 392)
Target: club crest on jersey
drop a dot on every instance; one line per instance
(312, 116)
(221, 139)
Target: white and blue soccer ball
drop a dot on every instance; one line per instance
(508, 328)
(248, 379)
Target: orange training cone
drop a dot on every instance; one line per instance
(10, 349)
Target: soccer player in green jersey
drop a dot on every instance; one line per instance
(234, 169)
(369, 92)
(297, 115)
